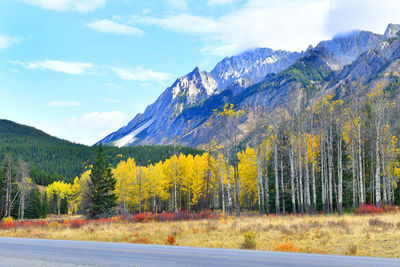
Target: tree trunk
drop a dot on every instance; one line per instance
(237, 186)
(323, 174)
(340, 174)
(378, 170)
(283, 189)
(259, 177)
(307, 178)
(330, 165)
(266, 186)
(229, 190)
(354, 175)
(277, 205)
(300, 177)
(222, 189)
(360, 164)
(313, 176)
(292, 175)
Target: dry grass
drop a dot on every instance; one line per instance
(348, 235)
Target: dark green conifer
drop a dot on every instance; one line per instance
(102, 186)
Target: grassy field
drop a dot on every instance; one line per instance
(367, 235)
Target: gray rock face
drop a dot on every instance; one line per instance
(345, 48)
(252, 66)
(392, 30)
(257, 77)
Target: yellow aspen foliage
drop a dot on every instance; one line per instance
(248, 175)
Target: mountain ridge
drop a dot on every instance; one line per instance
(253, 78)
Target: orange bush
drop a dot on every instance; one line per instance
(287, 247)
(170, 240)
(141, 240)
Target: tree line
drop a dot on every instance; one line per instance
(52, 159)
(323, 158)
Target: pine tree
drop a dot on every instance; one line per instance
(33, 207)
(64, 206)
(43, 209)
(103, 198)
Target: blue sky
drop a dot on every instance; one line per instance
(79, 69)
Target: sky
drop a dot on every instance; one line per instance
(81, 69)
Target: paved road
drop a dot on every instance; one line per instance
(39, 252)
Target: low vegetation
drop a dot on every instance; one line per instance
(361, 235)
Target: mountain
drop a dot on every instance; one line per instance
(260, 77)
(51, 158)
(161, 122)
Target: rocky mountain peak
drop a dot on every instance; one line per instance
(193, 87)
(252, 65)
(392, 30)
(345, 48)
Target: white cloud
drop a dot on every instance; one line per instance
(278, 24)
(290, 24)
(57, 103)
(110, 27)
(220, 2)
(73, 68)
(370, 15)
(96, 125)
(7, 41)
(68, 5)
(140, 74)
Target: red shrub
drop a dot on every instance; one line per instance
(7, 225)
(77, 223)
(142, 217)
(368, 209)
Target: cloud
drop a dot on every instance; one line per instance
(370, 15)
(7, 41)
(220, 2)
(290, 25)
(96, 125)
(72, 68)
(110, 27)
(57, 103)
(140, 74)
(68, 5)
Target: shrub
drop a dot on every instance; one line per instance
(249, 241)
(368, 209)
(170, 240)
(287, 247)
(390, 209)
(54, 225)
(379, 223)
(351, 249)
(141, 240)
(142, 217)
(7, 222)
(77, 223)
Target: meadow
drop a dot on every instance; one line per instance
(375, 235)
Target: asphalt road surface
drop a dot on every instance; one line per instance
(41, 252)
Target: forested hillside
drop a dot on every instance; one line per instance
(51, 158)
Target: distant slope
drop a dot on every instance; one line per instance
(52, 158)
